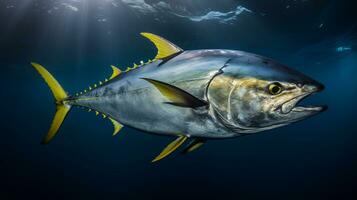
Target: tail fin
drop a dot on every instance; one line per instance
(60, 95)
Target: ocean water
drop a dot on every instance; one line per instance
(78, 40)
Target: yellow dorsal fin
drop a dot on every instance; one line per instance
(116, 72)
(170, 148)
(117, 126)
(164, 47)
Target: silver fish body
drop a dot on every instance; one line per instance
(198, 94)
(134, 102)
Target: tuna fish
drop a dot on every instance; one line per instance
(194, 95)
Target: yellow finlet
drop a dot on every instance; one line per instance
(96, 113)
(117, 126)
(116, 72)
(170, 148)
(164, 47)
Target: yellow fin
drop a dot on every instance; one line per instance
(170, 148)
(116, 72)
(57, 90)
(60, 95)
(195, 144)
(61, 113)
(117, 126)
(176, 95)
(164, 47)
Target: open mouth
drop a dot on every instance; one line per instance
(292, 105)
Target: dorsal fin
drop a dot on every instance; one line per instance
(164, 47)
(116, 72)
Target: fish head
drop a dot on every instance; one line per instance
(255, 94)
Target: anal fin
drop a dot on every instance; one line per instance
(171, 148)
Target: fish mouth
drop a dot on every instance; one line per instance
(294, 105)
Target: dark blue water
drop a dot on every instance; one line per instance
(78, 40)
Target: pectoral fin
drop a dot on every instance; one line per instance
(176, 95)
(195, 144)
(170, 148)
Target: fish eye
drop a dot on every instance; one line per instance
(275, 88)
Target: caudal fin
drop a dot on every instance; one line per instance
(60, 95)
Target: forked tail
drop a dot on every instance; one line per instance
(60, 95)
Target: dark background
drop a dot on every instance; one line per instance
(312, 159)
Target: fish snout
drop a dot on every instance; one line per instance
(313, 87)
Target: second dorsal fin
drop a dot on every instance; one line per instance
(164, 47)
